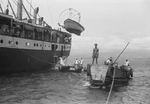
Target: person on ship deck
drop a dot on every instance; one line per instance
(7, 11)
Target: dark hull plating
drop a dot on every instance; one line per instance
(19, 60)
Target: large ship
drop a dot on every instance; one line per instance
(30, 44)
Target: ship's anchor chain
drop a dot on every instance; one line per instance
(112, 84)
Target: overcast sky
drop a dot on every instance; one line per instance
(110, 23)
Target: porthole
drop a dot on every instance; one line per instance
(9, 42)
(53, 47)
(16, 42)
(27, 43)
(1, 41)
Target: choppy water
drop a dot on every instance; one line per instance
(68, 88)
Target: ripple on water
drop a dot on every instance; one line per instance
(68, 88)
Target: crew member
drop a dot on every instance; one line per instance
(62, 61)
(108, 61)
(76, 62)
(111, 60)
(127, 63)
(7, 11)
(81, 62)
(95, 54)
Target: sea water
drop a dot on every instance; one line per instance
(52, 87)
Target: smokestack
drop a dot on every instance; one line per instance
(36, 10)
(19, 9)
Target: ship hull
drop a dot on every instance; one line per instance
(20, 60)
(28, 47)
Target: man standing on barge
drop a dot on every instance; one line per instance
(95, 54)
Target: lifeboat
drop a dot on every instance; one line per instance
(73, 26)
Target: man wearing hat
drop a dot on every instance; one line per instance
(95, 54)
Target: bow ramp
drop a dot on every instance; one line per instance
(98, 74)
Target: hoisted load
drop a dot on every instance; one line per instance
(71, 21)
(73, 26)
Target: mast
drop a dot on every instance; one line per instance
(26, 11)
(30, 6)
(19, 9)
(36, 10)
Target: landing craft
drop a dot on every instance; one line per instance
(103, 76)
(111, 76)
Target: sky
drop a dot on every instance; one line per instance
(110, 23)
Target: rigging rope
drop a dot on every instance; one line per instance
(1, 6)
(70, 13)
(32, 7)
(107, 101)
(12, 9)
(15, 2)
(23, 8)
(28, 13)
(2, 2)
(30, 4)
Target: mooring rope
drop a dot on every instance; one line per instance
(112, 84)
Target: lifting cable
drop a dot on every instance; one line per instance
(112, 84)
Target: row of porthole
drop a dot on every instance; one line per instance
(2, 41)
(10, 42)
(35, 44)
